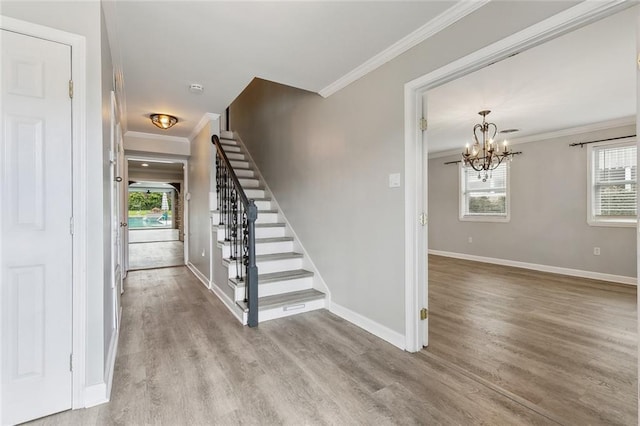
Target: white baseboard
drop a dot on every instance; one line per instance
(199, 275)
(620, 279)
(377, 329)
(230, 304)
(95, 395)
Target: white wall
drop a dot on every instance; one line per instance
(328, 160)
(83, 18)
(548, 223)
(149, 143)
(201, 183)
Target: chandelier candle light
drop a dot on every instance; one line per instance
(484, 155)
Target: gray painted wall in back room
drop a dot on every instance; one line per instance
(327, 160)
(548, 212)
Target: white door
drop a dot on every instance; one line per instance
(116, 182)
(35, 237)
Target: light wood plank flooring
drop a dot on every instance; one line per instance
(158, 254)
(565, 346)
(184, 360)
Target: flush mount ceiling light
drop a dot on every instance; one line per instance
(163, 121)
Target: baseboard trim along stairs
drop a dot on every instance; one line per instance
(287, 281)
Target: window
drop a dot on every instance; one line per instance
(612, 184)
(484, 197)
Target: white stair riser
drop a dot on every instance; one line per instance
(267, 267)
(293, 309)
(254, 193)
(276, 287)
(270, 232)
(264, 248)
(239, 164)
(231, 148)
(263, 205)
(237, 156)
(228, 141)
(244, 173)
(226, 134)
(267, 217)
(249, 183)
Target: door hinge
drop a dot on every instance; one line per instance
(424, 314)
(423, 219)
(71, 225)
(71, 89)
(70, 362)
(423, 124)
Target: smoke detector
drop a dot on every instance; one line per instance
(196, 88)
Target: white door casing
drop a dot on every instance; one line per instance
(35, 227)
(116, 255)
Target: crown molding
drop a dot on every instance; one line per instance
(571, 131)
(437, 24)
(206, 118)
(143, 135)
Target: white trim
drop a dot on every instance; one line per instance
(95, 395)
(572, 131)
(415, 260)
(435, 25)
(143, 135)
(319, 282)
(206, 118)
(80, 190)
(111, 358)
(199, 275)
(230, 304)
(377, 329)
(620, 279)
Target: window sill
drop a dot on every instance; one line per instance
(621, 223)
(481, 218)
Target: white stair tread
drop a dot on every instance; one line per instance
(277, 276)
(272, 257)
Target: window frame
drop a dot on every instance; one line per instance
(592, 219)
(500, 218)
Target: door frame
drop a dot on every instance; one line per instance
(185, 191)
(79, 191)
(415, 142)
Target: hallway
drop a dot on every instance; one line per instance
(183, 359)
(154, 248)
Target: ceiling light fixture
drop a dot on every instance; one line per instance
(144, 165)
(484, 155)
(163, 121)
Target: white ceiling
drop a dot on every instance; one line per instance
(584, 77)
(163, 46)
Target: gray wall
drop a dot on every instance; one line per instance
(200, 177)
(327, 160)
(83, 18)
(548, 212)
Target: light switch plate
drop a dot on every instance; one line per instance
(394, 180)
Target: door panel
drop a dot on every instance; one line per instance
(35, 238)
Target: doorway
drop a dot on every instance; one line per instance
(155, 213)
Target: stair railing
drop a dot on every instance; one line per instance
(238, 216)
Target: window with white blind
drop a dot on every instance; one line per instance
(612, 184)
(484, 196)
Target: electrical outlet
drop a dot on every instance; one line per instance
(470, 240)
(596, 251)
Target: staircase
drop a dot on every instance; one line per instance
(286, 285)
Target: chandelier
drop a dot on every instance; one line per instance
(484, 155)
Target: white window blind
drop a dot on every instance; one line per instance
(484, 197)
(614, 181)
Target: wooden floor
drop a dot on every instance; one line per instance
(183, 359)
(567, 347)
(159, 254)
